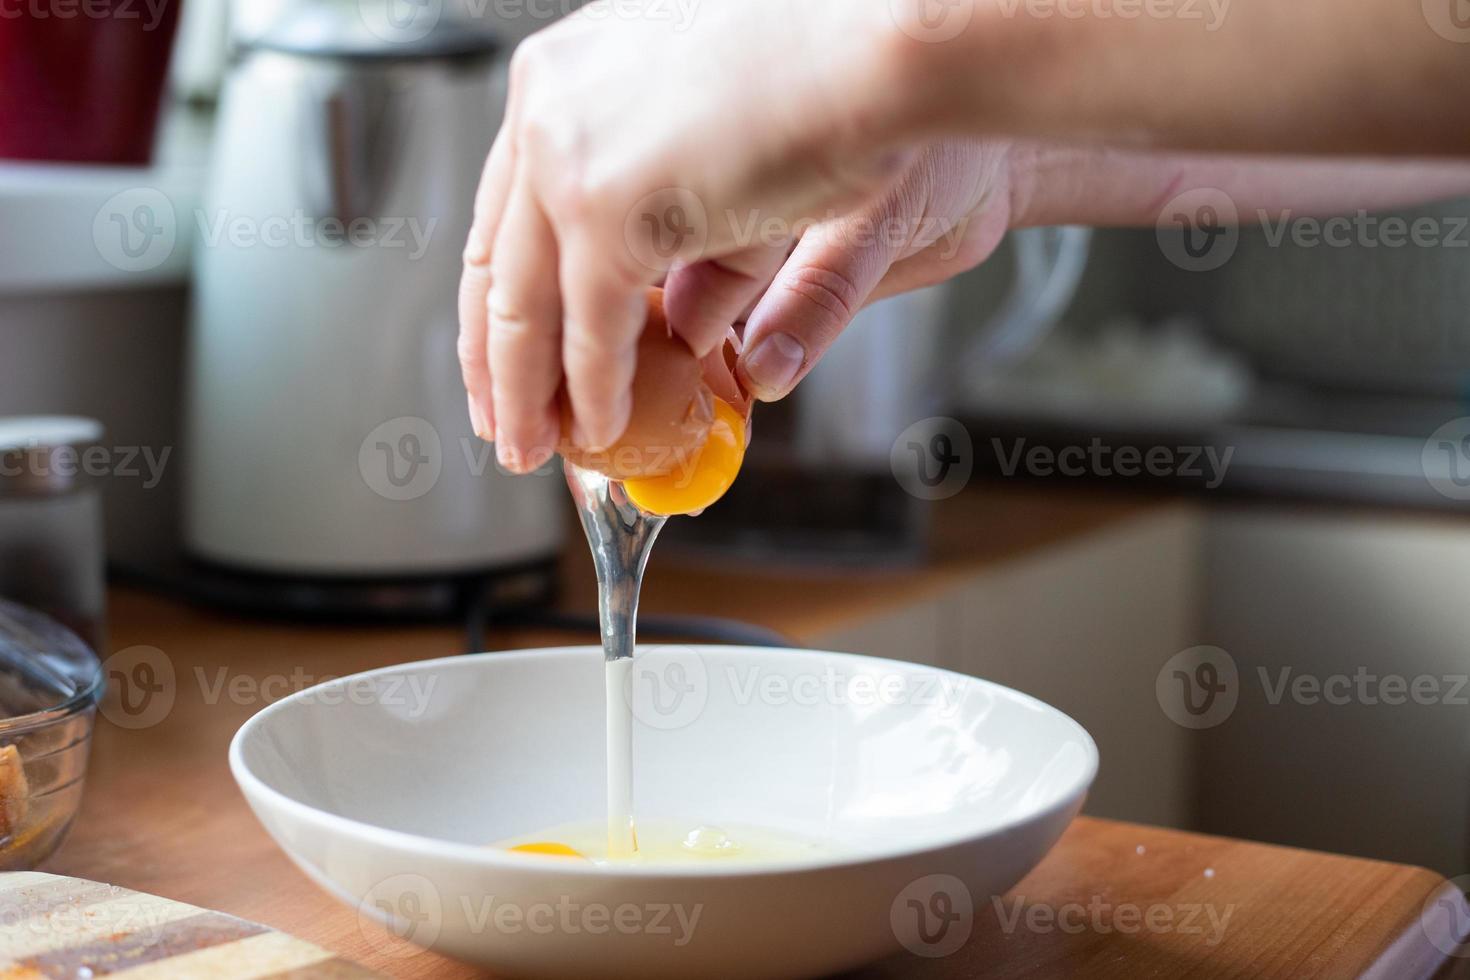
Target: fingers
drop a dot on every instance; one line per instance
(474, 283)
(474, 359)
(821, 288)
(524, 335)
(605, 313)
(702, 300)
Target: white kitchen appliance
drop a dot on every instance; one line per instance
(328, 438)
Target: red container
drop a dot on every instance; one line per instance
(81, 80)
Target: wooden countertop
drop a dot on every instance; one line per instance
(162, 814)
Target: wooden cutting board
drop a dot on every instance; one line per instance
(54, 927)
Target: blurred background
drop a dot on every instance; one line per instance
(1204, 488)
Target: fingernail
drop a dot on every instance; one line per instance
(773, 364)
(477, 419)
(545, 446)
(600, 433)
(580, 437)
(504, 454)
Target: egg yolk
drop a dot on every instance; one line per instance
(696, 483)
(547, 847)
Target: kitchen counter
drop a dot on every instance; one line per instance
(1115, 899)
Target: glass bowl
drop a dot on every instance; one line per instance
(50, 684)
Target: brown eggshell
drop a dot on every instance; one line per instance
(673, 408)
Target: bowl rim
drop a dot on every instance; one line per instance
(81, 700)
(491, 858)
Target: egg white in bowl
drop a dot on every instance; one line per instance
(894, 780)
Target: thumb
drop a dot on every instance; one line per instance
(822, 286)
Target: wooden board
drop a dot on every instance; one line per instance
(58, 928)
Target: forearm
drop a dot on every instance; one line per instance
(1370, 77)
(1098, 186)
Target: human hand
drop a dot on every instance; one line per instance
(631, 149)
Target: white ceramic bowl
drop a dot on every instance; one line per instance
(935, 791)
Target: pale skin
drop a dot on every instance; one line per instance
(827, 153)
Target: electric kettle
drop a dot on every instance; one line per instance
(327, 431)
